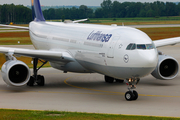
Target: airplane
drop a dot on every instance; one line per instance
(118, 52)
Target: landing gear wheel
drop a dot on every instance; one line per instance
(36, 78)
(31, 81)
(40, 80)
(135, 95)
(109, 79)
(129, 96)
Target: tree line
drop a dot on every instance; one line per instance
(116, 9)
(108, 9)
(15, 13)
(69, 13)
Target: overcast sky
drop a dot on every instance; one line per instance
(72, 2)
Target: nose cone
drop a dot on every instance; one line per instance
(148, 58)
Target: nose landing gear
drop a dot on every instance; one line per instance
(131, 82)
(131, 94)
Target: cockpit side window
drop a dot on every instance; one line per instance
(150, 46)
(131, 46)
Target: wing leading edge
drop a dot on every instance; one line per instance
(168, 41)
(41, 54)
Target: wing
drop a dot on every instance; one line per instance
(12, 26)
(56, 56)
(168, 41)
(82, 20)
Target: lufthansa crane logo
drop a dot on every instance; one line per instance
(126, 58)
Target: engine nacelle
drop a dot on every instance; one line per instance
(15, 73)
(166, 69)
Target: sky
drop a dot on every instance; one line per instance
(72, 2)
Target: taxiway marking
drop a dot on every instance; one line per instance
(102, 92)
(121, 93)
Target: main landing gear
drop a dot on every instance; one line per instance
(131, 94)
(36, 78)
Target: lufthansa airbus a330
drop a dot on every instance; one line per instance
(117, 52)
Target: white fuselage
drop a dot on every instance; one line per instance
(97, 48)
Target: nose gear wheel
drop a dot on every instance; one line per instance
(131, 94)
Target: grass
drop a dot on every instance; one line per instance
(15, 41)
(54, 115)
(136, 21)
(14, 34)
(7, 29)
(161, 33)
(166, 18)
(13, 38)
(120, 22)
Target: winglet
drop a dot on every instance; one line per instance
(36, 11)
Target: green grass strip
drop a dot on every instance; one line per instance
(55, 115)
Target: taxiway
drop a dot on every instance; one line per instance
(89, 93)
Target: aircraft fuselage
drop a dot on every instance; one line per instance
(117, 51)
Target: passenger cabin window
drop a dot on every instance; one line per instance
(133, 46)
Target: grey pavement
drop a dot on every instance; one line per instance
(89, 93)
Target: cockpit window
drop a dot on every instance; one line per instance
(150, 46)
(129, 46)
(141, 46)
(133, 46)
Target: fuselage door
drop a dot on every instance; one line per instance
(111, 47)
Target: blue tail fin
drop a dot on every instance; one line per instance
(36, 11)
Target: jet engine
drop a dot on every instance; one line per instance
(15, 73)
(167, 68)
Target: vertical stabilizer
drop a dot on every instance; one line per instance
(36, 11)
